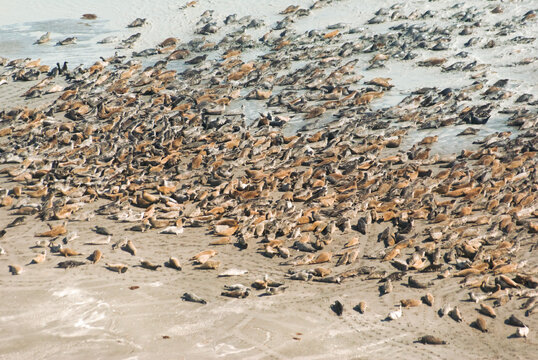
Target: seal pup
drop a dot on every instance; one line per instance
(15, 269)
(431, 340)
(522, 332)
(394, 315)
(193, 298)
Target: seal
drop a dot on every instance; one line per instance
(19, 220)
(415, 284)
(480, 324)
(99, 241)
(338, 308)
(487, 310)
(394, 315)
(148, 265)
(407, 303)
(522, 332)
(275, 290)
(209, 265)
(129, 247)
(322, 258)
(138, 22)
(240, 294)
(174, 263)
(386, 288)
(431, 340)
(67, 41)
(96, 256)
(514, 321)
(54, 231)
(68, 252)
(455, 314)
(428, 299)
(119, 268)
(88, 16)
(70, 264)
(15, 269)
(193, 298)
(203, 256)
(44, 38)
(102, 230)
(40, 258)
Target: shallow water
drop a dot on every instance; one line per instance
(24, 25)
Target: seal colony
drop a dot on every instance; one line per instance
(170, 148)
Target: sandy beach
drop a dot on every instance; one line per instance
(316, 151)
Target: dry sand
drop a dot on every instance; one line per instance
(53, 313)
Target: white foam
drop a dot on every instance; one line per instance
(75, 313)
(224, 349)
